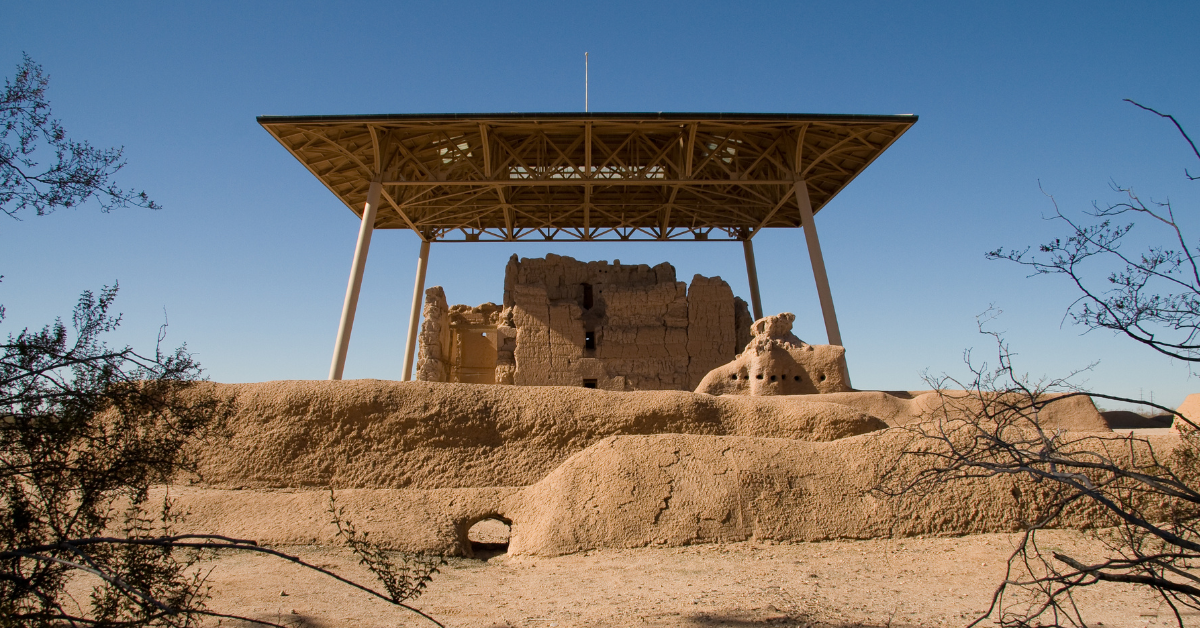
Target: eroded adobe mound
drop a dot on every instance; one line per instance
(381, 434)
(776, 362)
(678, 489)
(904, 408)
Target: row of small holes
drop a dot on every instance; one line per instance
(735, 376)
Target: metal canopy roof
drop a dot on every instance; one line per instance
(586, 176)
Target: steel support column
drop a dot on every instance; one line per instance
(752, 275)
(818, 264)
(414, 319)
(356, 274)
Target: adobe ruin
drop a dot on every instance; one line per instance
(776, 362)
(593, 324)
(571, 469)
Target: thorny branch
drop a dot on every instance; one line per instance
(1151, 296)
(994, 427)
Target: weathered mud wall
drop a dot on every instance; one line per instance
(418, 463)
(631, 491)
(380, 434)
(433, 343)
(671, 489)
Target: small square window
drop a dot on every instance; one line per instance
(589, 340)
(589, 383)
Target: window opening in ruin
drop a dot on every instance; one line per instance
(589, 340)
(489, 537)
(589, 383)
(759, 376)
(822, 378)
(797, 378)
(587, 296)
(773, 378)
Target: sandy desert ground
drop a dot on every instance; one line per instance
(915, 582)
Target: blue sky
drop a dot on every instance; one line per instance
(250, 256)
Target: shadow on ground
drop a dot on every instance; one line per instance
(287, 618)
(765, 619)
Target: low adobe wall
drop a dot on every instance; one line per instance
(418, 463)
(381, 434)
(671, 489)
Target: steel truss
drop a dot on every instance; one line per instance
(584, 177)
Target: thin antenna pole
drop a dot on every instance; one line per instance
(585, 82)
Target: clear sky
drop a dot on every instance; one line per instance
(250, 255)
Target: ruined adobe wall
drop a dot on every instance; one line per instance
(673, 490)
(776, 362)
(638, 315)
(457, 343)
(381, 434)
(473, 354)
(433, 343)
(712, 326)
(418, 463)
(650, 332)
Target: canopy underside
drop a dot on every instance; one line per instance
(587, 176)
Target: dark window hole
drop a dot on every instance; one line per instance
(797, 378)
(589, 340)
(589, 383)
(733, 377)
(489, 538)
(773, 378)
(759, 376)
(822, 378)
(587, 296)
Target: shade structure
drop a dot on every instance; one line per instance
(586, 176)
(583, 177)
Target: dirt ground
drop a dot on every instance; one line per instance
(877, 583)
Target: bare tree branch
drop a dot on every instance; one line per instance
(1151, 296)
(78, 171)
(991, 426)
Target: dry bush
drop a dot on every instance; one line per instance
(85, 432)
(1151, 498)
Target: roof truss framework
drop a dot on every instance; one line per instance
(581, 177)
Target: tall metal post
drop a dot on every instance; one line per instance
(356, 274)
(414, 320)
(752, 275)
(818, 263)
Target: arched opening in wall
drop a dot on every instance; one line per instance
(489, 537)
